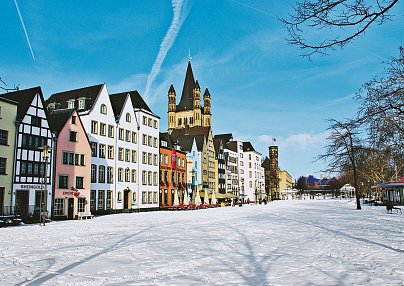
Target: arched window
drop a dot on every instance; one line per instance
(103, 109)
(128, 117)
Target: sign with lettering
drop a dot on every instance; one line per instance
(33, 186)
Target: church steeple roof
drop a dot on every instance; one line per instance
(171, 90)
(186, 102)
(206, 93)
(197, 85)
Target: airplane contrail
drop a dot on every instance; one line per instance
(25, 30)
(181, 10)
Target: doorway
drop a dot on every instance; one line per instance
(21, 204)
(126, 198)
(70, 208)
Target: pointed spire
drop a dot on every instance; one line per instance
(186, 102)
(197, 85)
(171, 90)
(206, 93)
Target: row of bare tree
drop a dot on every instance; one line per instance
(368, 147)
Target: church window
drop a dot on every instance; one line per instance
(179, 121)
(185, 121)
(191, 120)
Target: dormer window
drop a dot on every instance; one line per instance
(103, 109)
(82, 103)
(51, 106)
(70, 104)
(164, 143)
(128, 117)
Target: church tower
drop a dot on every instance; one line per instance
(171, 107)
(189, 112)
(206, 109)
(197, 119)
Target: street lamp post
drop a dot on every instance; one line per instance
(45, 156)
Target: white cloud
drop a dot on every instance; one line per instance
(300, 141)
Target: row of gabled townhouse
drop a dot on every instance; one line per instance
(243, 173)
(102, 153)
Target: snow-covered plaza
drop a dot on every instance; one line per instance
(307, 242)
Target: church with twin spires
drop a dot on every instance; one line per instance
(189, 112)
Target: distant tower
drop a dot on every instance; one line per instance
(206, 109)
(171, 108)
(197, 105)
(274, 172)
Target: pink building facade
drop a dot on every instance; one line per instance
(72, 165)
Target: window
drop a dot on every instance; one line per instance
(144, 197)
(94, 127)
(133, 175)
(149, 156)
(127, 155)
(134, 156)
(144, 178)
(81, 204)
(59, 207)
(101, 174)
(155, 179)
(110, 131)
(155, 143)
(63, 181)
(110, 152)
(144, 139)
(93, 173)
(109, 199)
(3, 137)
(127, 138)
(134, 137)
(149, 176)
(82, 104)
(73, 136)
(127, 175)
(3, 164)
(102, 151)
(144, 158)
(155, 124)
(128, 117)
(92, 200)
(120, 154)
(110, 175)
(100, 200)
(82, 160)
(103, 129)
(120, 175)
(165, 159)
(76, 159)
(155, 197)
(155, 159)
(94, 148)
(71, 158)
(70, 104)
(103, 109)
(121, 134)
(79, 182)
(150, 141)
(150, 122)
(149, 196)
(36, 121)
(144, 120)
(65, 156)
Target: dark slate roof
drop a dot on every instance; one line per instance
(193, 131)
(186, 141)
(90, 93)
(247, 147)
(225, 137)
(165, 137)
(181, 141)
(57, 119)
(24, 98)
(217, 143)
(187, 96)
(232, 145)
(117, 102)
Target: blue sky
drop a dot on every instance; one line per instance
(260, 86)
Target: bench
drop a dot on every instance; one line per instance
(84, 215)
(390, 207)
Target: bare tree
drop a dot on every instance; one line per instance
(340, 22)
(343, 152)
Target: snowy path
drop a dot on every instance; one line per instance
(320, 242)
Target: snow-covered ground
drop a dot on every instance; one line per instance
(308, 242)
